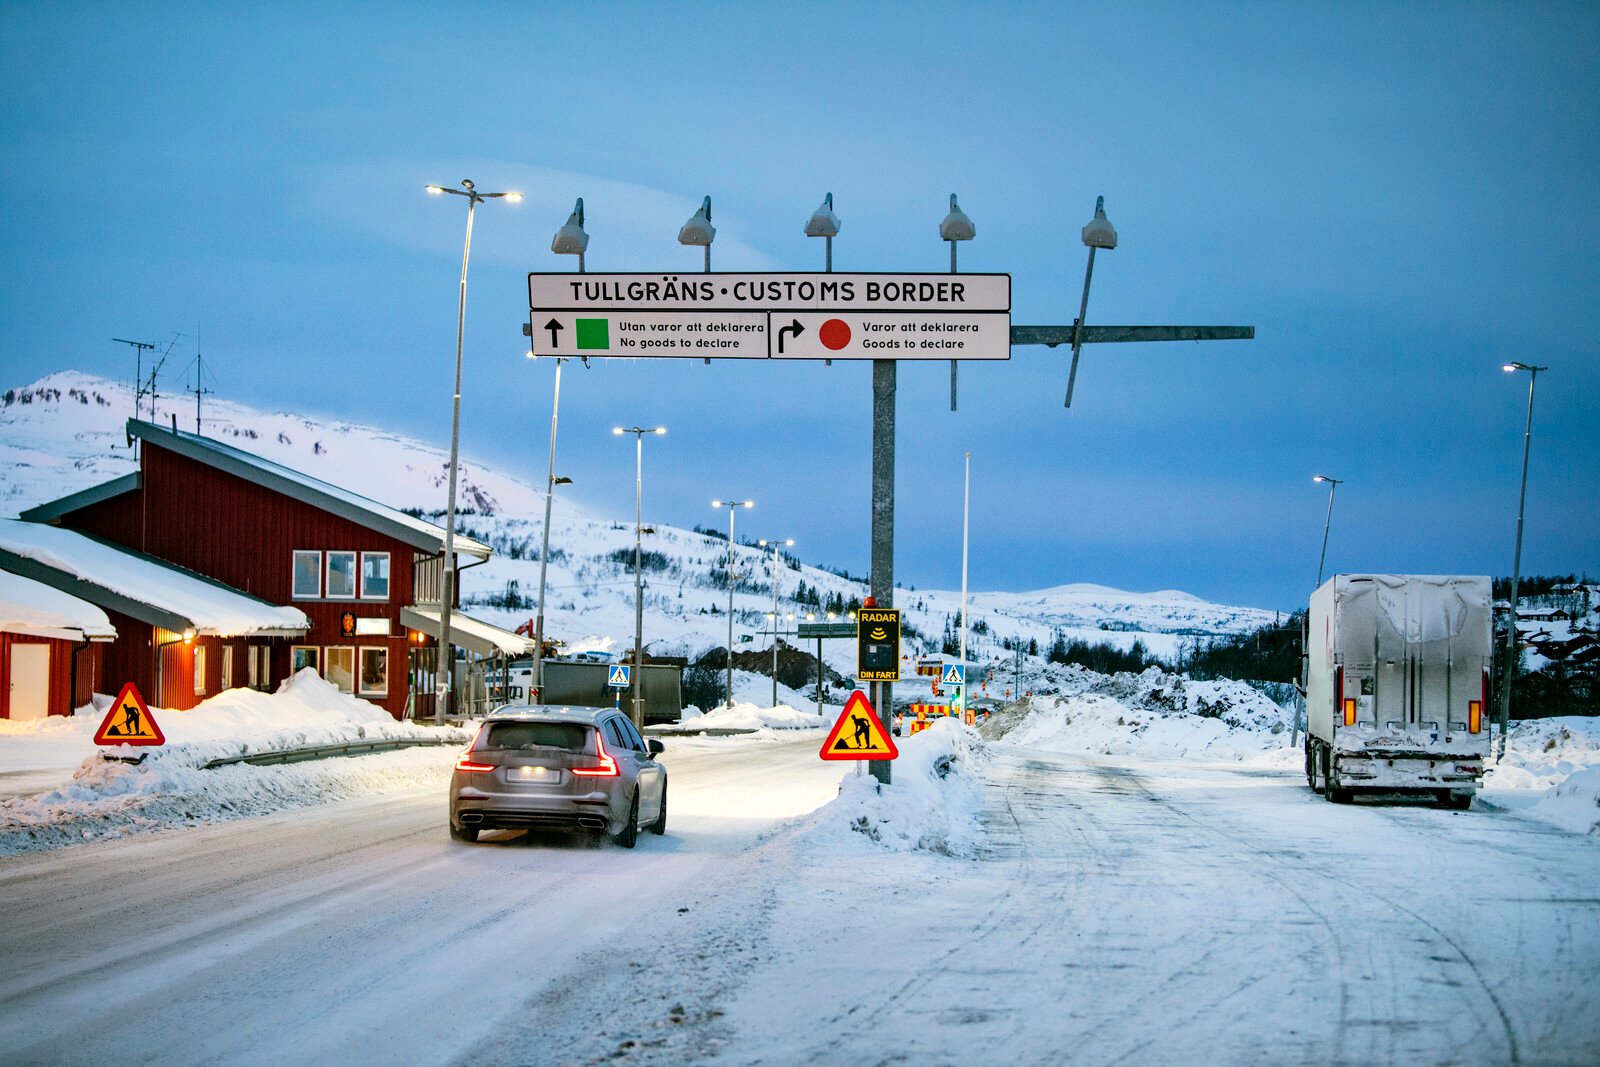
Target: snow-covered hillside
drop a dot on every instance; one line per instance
(65, 433)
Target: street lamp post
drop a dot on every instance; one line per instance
(966, 503)
(570, 240)
(1305, 631)
(1513, 655)
(730, 504)
(776, 545)
(699, 231)
(638, 573)
(1099, 233)
(447, 585)
(955, 227)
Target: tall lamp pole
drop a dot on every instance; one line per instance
(570, 240)
(638, 574)
(966, 502)
(1305, 628)
(776, 545)
(1513, 655)
(955, 227)
(1098, 233)
(730, 505)
(447, 590)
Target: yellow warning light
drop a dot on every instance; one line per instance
(1474, 716)
(1349, 711)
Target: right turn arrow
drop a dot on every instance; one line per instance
(794, 329)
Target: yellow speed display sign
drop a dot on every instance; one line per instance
(878, 644)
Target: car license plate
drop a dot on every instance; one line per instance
(534, 773)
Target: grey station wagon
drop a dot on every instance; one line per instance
(559, 768)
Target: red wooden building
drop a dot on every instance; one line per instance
(180, 637)
(50, 648)
(366, 575)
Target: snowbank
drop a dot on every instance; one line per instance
(1551, 770)
(931, 805)
(742, 716)
(169, 788)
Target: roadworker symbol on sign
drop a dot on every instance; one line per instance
(858, 734)
(129, 722)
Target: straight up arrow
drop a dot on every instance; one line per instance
(555, 333)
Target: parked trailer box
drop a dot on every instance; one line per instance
(1397, 685)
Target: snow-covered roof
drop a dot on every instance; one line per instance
(140, 586)
(291, 483)
(475, 635)
(33, 608)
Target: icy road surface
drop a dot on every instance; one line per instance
(1122, 911)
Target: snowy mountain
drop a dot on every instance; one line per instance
(65, 432)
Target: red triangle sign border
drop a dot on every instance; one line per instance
(856, 705)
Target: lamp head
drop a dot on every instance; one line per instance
(618, 431)
(659, 430)
(434, 189)
(1099, 233)
(698, 230)
(956, 226)
(571, 239)
(513, 198)
(823, 222)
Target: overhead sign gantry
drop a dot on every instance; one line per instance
(772, 316)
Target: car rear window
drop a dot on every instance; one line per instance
(570, 736)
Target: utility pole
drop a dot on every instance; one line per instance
(139, 348)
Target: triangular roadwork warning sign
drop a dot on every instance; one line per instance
(129, 722)
(858, 734)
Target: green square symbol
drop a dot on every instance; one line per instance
(594, 333)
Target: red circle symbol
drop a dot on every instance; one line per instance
(834, 334)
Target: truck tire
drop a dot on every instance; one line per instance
(1459, 801)
(1311, 766)
(1327, 770)
(1341, 796)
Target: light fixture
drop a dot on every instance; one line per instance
(823, 222)
(956, 226)
(571, 239)
(1099, 233)
(698, 230)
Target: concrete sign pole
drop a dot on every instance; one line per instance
(882, 588)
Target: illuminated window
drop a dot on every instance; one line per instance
(339, 668)
(375, 672)
(199, 669)
(227, 666)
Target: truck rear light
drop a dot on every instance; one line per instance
(1349, 711)
(1474, 716)
(607, 767)
(466, 763)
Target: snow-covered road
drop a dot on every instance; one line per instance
(1121, 911)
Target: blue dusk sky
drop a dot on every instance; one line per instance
(1399, 197)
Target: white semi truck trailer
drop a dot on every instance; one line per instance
(1397, 686)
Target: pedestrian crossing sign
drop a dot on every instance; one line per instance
(129, 722)
(618, 678)
(955, 674)
(858, 734)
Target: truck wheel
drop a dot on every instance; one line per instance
(1341, 796)
(1460, 801)
(1327, 770)
(1311, 766)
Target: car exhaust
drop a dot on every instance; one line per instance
(471, 818)
(591, 822)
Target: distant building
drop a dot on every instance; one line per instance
(50, 648)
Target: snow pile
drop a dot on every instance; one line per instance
(1551, 770)
(931, 805)
(109, 798)
(743, 716)
(1154, 713)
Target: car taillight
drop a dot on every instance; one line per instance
(607, 767)
(467, 763)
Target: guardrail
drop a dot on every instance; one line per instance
(344, 748)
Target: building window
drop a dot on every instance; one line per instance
(227, 666)
(260, 666)
(199, 669)
(374, 576)
(307, 575)
(341, 576)
(339, 668)
(375, 672)
(301, 657)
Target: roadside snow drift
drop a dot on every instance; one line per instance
(108, 798)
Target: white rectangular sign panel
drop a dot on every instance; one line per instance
(883, 335)
(885, 291)
(581, 334)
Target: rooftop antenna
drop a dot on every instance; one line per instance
(155, 368)
(139, 347)
(199, 389)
